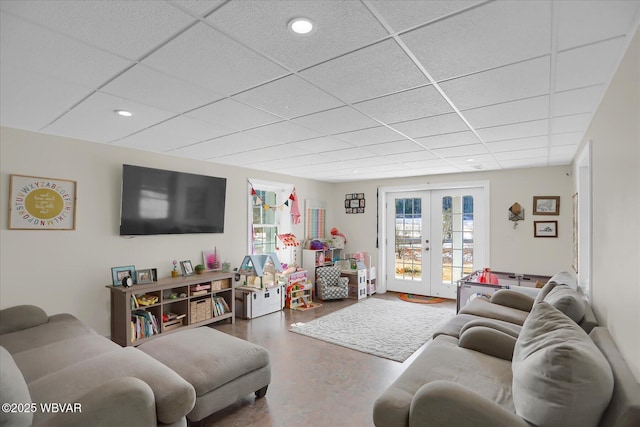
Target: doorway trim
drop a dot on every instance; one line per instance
(383, 194)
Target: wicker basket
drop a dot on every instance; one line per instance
(220, 284)
(200, 310)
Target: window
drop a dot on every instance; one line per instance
(270, 215)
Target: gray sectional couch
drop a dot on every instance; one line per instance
(58, 359)
(514, 361)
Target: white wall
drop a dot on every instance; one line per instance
(615, 152)
(66, 271)
(512, 250)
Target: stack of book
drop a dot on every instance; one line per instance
(143, 324)
(220, 306)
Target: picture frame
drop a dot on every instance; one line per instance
(186, 267)
(545, 228)
(144, 276)
(119, 273)
(354, 203)
(37, 203)
(546, 205)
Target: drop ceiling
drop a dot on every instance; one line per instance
(378, 89)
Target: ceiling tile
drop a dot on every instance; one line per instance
(159, 90)
(517, 130)
(376, 70)
(461, 150)
(127, 28)
(525, 163)
(321, 145)
(351, 154)
(571, 138)
(341, 26)
(574, 123)
(488, 36)
(219, 147)
(94, 119)
(307, 160)
(433, 163)
(197, 7)
(518, 144)
(174, 133)
(404, 14)
(204, 56)
(523, 80)
(598, 20)
(281, 133)
(589, 65)
(277, 152)
(408, 105)
(505, 113)
(338, 120)
(411, 156)
(436, 125)
(448, 140)
(289, 97)
(583, 100)
(521, 154)
(562, 154)
(22, 89)
(39, 50)
(396, 147)
(370, 136)
(233, 115)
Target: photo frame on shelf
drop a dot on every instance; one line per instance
(37, 203)
(154, 274)
(545, 229)
(119, 273)
(187, 268)
(546, 205)
(144, 276)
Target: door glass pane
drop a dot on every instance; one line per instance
(408, 237)
(457, 237)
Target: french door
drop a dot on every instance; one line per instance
(433, 239)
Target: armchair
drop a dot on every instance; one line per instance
(330, 284)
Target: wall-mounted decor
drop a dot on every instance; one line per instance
(546, 205)
(354, 203)
(516, 213)
(42, 203)
(545, 229)
(315, 213)
(120, 273)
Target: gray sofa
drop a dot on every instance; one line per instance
(536, 366)
(58, 359)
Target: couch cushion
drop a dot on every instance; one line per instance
(568, 301)
(38, 362)
(484, 308)
(21, 317)
(59, 327)
(442, 359)
(560, 378)
(174, 396)
(13, 389)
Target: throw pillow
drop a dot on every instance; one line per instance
(560, 377)
(568, 301)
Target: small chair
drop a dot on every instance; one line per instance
(330, 284)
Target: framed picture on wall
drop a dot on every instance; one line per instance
(546, 205)
(545, 229)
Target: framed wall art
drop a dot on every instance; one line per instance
(354, 203)
(546, 205)
(545, 228)
(37, 203)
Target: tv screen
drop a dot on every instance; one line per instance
(156, 201)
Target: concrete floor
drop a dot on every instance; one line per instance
(313, 383)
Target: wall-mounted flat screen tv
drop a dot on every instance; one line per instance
(156, 201)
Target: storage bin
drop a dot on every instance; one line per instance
(200, 310)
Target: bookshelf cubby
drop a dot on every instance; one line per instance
(142, 312)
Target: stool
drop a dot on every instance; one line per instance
(220, 367)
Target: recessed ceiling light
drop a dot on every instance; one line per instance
(471, 160)
(124, 113)
(301, 25)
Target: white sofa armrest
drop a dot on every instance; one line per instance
(445, 404)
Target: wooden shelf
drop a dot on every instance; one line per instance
(219, 285)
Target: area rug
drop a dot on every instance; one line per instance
(420, 299)
(311, 306)
(385, 328)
